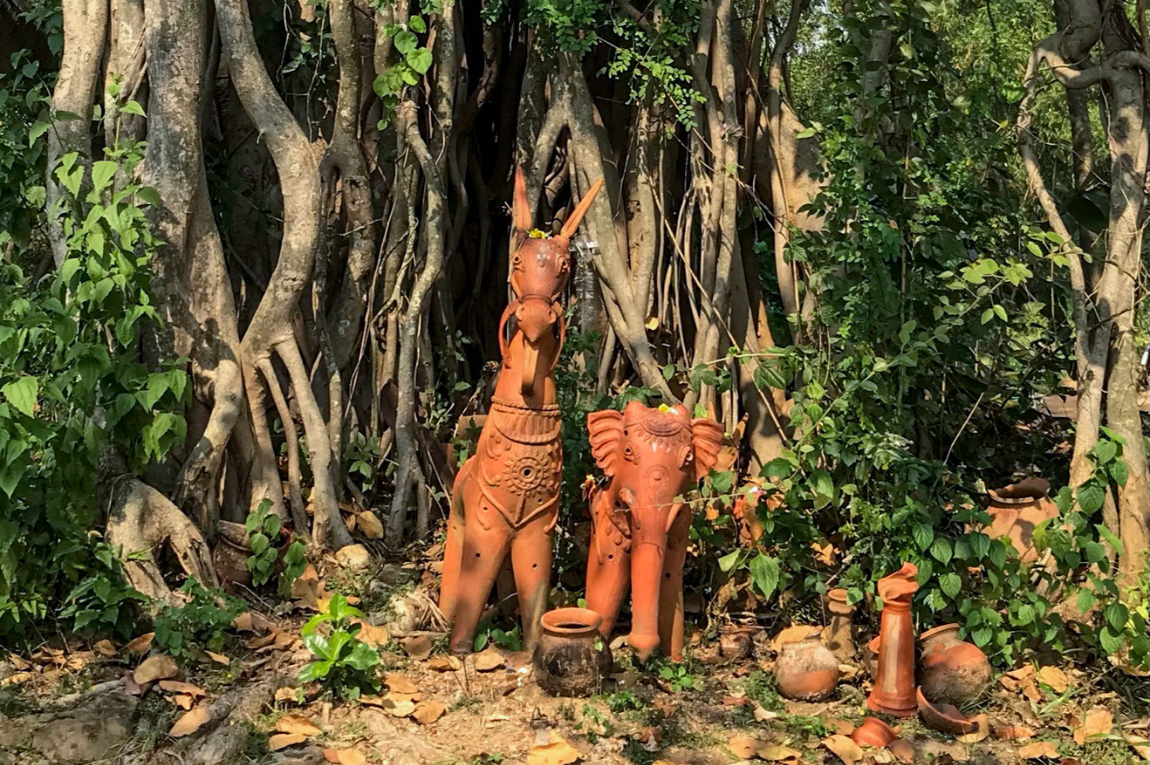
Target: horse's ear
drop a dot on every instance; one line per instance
(571, 225)
(520, 208)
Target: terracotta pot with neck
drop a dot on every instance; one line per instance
(571, 657)
(1015, 511)
(894, 687)
(953, 671)
(840, 630)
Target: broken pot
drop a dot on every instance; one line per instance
(806, 670)
(873, 732)
(944, 717)
(952, 671)
(571, 657)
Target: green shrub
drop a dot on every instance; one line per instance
(201, 623)
(343, 664)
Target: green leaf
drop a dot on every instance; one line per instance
(317, 670)
(722, 481)
(1024, 615)
(824, 484)
(765, 574)
(418, 24)
(1119, 471)
(21, 393)
(987, 315)
(999, 311)
(951, 584)
(1104, 451)
(979, 544)
(923, 535)
(726, 563)
(779, 467)
(1091, 496)
(406, 42)
(668, 371)
(133, 107)
(419, 60)
(102, 174)
(1086, 600)
(1116, 616)
(941, 550)
(363, 657)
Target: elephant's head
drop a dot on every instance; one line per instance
(540, 266)
(653, 457)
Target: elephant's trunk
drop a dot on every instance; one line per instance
(530, 367)
(646, 581)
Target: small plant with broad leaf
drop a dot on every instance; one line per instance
(343, 664)
(265, 539)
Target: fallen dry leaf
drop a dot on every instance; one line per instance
(417, 647)
(763, 715)
(19, 664)
(1098, 722)
(428, 712)
(175, 686)
(243, 622)
(105, 648)
(284, 740)
(743, 747)
(190, 722)
(377, 637)
(776, 753)
(18, 678)
(981, 731)
(840, 726)
(557, 752)
(1006, 732)
(902, 750)
(487, 660)
(844, 748)
(400, 684)
(183, 701)
(297, 724)
(1037, 750)
(1022, 681)
(345, 756)
(1140, 745)
(1053, 677)
(444, 663)
(285, 694)
(140, 644)
(397, 708)
(794, 634)
(218, 658)
(158, 667)
(369, 524)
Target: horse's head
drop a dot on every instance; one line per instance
(539, 270)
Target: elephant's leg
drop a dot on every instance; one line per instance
(453, 547)
(482, 557)
(671, 592)
(608, 567)
(531, 563)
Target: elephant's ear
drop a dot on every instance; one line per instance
(708, 437)
(605, 430)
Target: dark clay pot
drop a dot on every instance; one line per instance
(230, 556)
(952, 671)
(571, 658)
(806, 670)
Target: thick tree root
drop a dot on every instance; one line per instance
(140, 522)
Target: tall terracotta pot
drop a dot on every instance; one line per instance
(893, 692)
(1015, 511)
(840, 636)
(953, 671)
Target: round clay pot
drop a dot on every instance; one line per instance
(1016, 509)
(873, 732)
(571, 658)
(952, 671)
(806, 670)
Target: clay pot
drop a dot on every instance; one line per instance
(1016, 509)
(894, 686)
(230, 556)
(944, 717)
(873, 732)
(806, 670)
(735, 641)
(840, 637)
(571, 658)
(870, 657)
(953, 671)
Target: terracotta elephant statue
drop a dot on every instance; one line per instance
(641, 523)
(505, 500)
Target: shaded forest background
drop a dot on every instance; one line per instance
(255, 254)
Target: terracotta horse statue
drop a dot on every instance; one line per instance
(506, 496)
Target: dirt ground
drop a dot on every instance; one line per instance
(80, 704)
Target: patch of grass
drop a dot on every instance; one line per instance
(256, 749)
(634, 752)
(467, 702)
(804, 727)
(760, 686)
(1108, 751)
